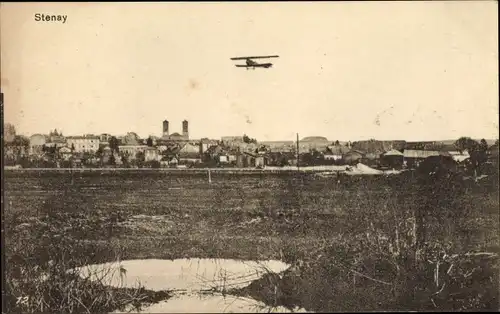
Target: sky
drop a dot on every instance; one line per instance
(346, 71)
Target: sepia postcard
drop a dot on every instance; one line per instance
(213, 157)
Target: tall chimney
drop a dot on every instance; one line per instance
(185, 129)
(165, 127)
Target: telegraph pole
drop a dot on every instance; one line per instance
(298, 155)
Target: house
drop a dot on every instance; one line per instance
(373, 155)
(373, 147)
(131, 151)
(413, 157)
(151, 154)
(80, 144)
(164, 160)
(260, 161)
(223, 159)
(241, 161)
(426, 145)
(189, 149)
(280, 159)
(217, 153)
(189, 153)
(65, 153)
(248, 159)
(206, 143)
(279, 146)
(393, 158)
(232, 157)
(335, 152)
(353, 156)
(77, 163)
(173, 161)
(232, 141)
(105, 137)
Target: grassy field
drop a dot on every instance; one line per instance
(361, 243)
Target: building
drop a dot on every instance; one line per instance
(131, 150)
(206, 143)
(65, 153)
(232, 141)
(104, 138)
(185, 129)
(335, 152)
(55, 140)
(413, 157)
(189, 153)
(353, 156)
(176, 137)
(151, 154)
(378, 147)
(279, 146)
(165, 129)
(393, 159)
(81, 144)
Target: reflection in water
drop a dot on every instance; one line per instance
(213, 303)
(190, 279)
(182, 274)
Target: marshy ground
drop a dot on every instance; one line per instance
(358, 244)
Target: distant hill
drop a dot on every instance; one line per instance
(451, 142)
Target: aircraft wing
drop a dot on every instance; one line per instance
(255, 57)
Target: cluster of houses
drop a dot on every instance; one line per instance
(230, 151)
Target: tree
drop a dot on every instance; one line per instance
(9, 132)
(477, 151)
(112, 160)
(98, 153)
(124, 159)
(149, 142)
(140, 156)
(483, 145)
(20, 141)
(248, 140)
(113, 144)
(466, 143)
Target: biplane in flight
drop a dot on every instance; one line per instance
(252, 64)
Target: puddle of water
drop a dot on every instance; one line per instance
(215, 303)
(195, 283)
(182, 274)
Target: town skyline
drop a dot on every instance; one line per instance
(490, 140)
(347, 71)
